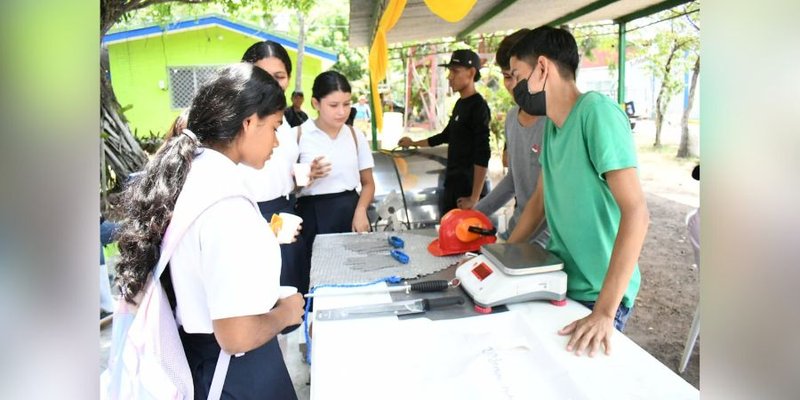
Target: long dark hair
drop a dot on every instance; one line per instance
(328, 82)
(267, 49)
(176, 128)
(215, 117)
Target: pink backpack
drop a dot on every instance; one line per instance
(147, 360)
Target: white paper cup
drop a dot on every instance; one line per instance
(286, 291)
(302, 174)
(289, 227)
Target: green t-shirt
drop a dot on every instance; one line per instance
(581, 212)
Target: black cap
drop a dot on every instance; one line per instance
(465, 58)
(696, 172)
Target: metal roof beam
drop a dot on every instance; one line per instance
(497, 9)
(377, 11)
(666, 5)
(581, 12)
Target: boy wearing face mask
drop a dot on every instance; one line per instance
(467, 134)
(588, 187)
(524, 139)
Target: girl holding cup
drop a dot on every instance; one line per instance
(273, 186)
(332, 204)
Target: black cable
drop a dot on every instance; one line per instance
(402, 194)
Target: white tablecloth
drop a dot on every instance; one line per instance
(517, 354)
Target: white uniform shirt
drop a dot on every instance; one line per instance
(275, 178)
(340, 152)
(228, 262)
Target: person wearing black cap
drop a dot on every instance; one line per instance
(467, 134)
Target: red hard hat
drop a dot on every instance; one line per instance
(462, 231)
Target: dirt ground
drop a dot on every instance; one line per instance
(670, 289)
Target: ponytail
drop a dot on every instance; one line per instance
(149, 202)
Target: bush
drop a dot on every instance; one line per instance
(499, 103)
(150, 142)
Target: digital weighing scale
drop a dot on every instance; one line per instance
(511, 273)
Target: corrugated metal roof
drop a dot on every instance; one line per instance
(418, 23)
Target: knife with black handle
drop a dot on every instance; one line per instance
(388, 309)
(422, 287)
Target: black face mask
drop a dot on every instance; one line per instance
(531, 103)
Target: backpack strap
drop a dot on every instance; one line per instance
(218, 380)
(221, 370)
(180, 227)
(353, 134)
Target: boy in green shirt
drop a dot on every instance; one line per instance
(588, 187)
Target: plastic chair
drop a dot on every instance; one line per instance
(693, 226)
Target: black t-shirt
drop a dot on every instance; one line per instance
(295, 118)
(467, 134)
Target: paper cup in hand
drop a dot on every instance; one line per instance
(302, 174)
(286, 291)
(289, 224)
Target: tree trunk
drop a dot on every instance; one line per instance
(123, 155)
(683, 149)
(659, 122)
(301, 44)
(661, 102)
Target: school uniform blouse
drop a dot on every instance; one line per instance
(346, 161)
(275, 179)
(228, 262)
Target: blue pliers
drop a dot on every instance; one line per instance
(398, 255)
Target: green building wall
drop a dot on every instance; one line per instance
(137, 67)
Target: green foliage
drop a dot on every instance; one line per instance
(304, 6)
(671, 52)
(250, 11)
(150, 142)
(604, 39)
(327, 26)
(499, 101)
(593, 39)
(334, 35)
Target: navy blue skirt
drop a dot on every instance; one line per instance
(296, 264)
(258, 374)
(326, 213)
